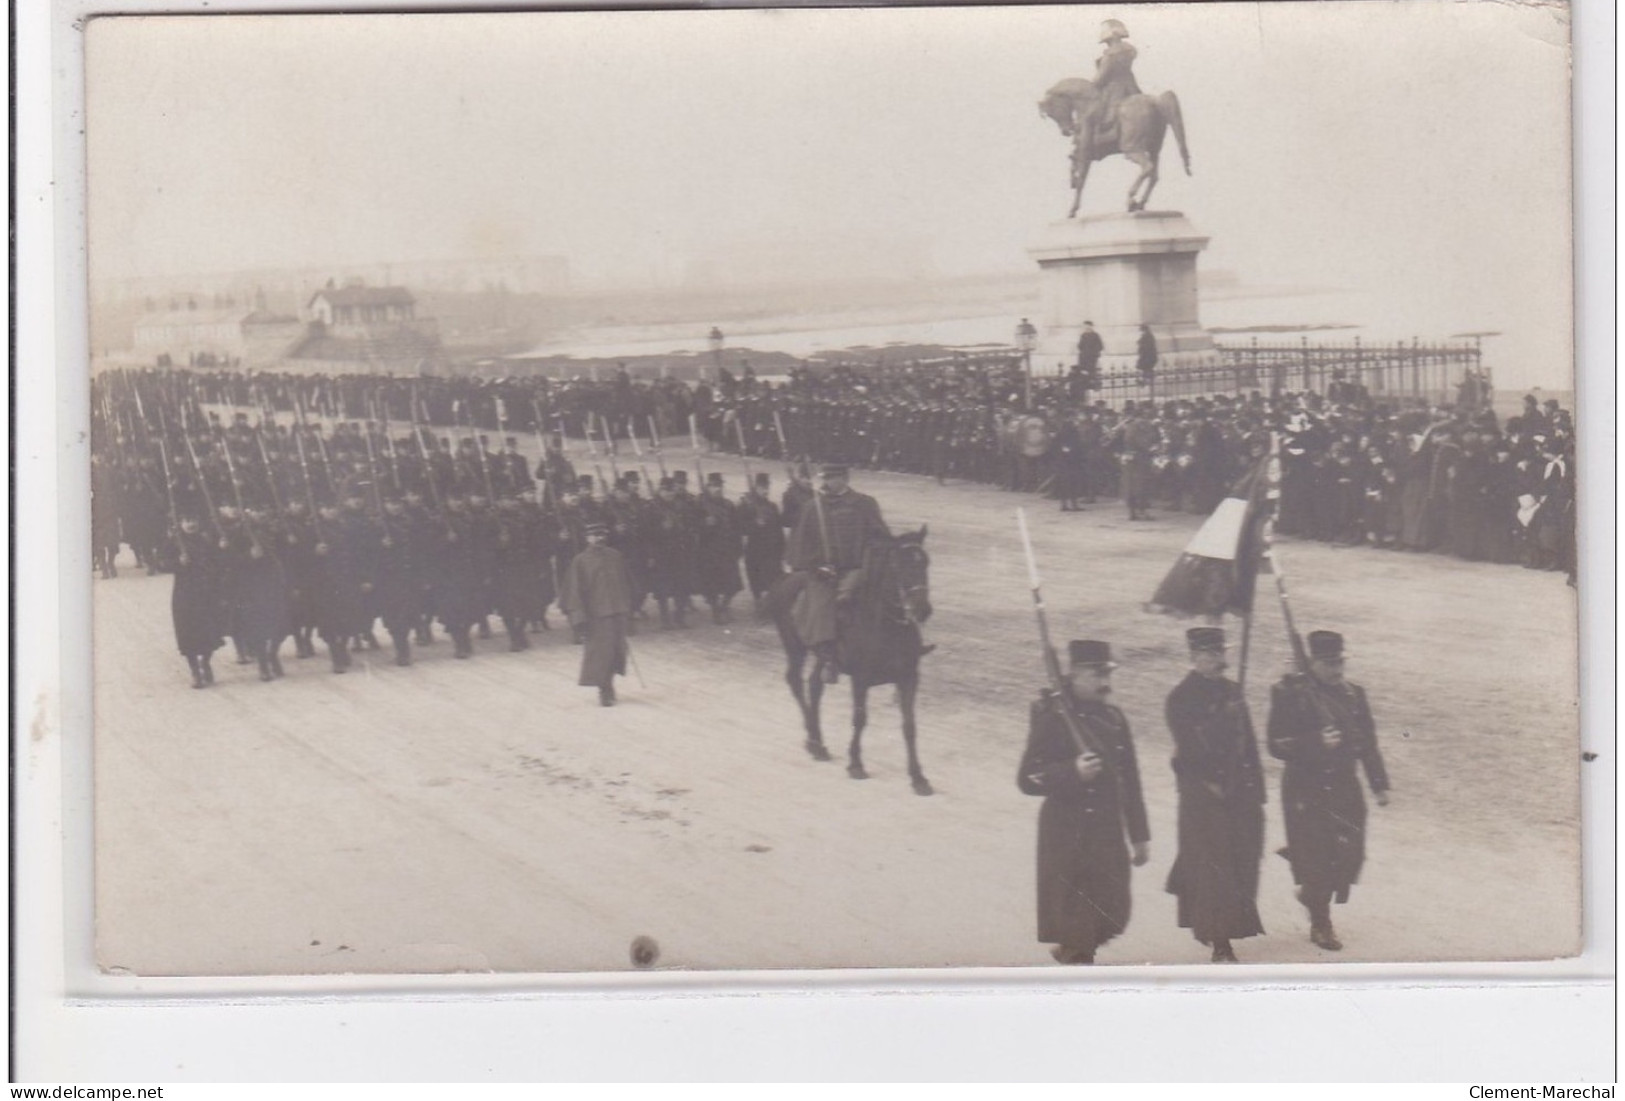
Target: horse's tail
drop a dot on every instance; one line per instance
(1169, 104)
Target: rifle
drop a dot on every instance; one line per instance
(784, 445)
(739, 428)
(694, 433)
(614, 467)
(599, 470)
(237, 492)
(169, 486)
(1082, 738)
(270, 474)
(654, 444)
(372, 465)
(479, 451)
(203, 484)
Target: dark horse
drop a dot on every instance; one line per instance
(879, 643)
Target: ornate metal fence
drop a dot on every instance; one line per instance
(1426, 372)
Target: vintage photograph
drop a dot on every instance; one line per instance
(1041, 487)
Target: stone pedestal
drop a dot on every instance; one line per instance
(1120, 271)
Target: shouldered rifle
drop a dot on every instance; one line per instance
(1082, 737)
(169, 485)
(784, 445)
(654, 444)
(203, 484)
(237, 492)
(270, 472)
(614, 467)
(479, 451)
(739, 430)
(372, 464)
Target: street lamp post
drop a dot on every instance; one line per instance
(1027, 340)
(715, 339)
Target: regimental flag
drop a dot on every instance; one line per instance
(1218, 570)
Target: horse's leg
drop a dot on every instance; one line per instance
(1080, 166)
(796, 655)
(907, 689)
(815, 732)
(860, 719)
(1147, 171)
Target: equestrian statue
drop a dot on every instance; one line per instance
(1111, 115)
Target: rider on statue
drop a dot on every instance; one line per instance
(1114, 78)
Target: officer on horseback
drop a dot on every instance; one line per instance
(828, 547)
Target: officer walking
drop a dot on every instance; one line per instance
(1321, 726)
(1092, 798)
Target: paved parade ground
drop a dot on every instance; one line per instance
(488, 815)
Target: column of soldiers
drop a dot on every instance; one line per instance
(325, 535)
(1093, 827)
(1358, 470)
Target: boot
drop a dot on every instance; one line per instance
(276, 662)
(369, 640)
(424, 637)
(485, 628)
(725, 614)
(465, 648)
(516, 636)
(1222, 952)
(196, 666)
(403, 648)
(1322, 935)
(665, 617)
(606, 695)
(341, 656)
(542, 623)
(265, 668)
(243, 656)
(208, 670)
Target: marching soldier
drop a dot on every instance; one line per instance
(1221, 801)
(1321, 726)
(195, 601)
(670, 537)
(718, 550)
(397, 576)
(597, 596)
(796, 495)
(1092, 798)
(763, 530)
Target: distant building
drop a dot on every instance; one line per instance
(354, 310)
(232, 336)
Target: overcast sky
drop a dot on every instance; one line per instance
(1417, 152)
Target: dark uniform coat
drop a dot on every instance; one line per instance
(597, 596)
(1320, 791)
(1221, 815)
(195, 603)
(1083, 862)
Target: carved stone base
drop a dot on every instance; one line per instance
(1120, 271)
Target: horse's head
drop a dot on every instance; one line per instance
(911, 566)
(1062, 102)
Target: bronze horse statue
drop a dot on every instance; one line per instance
(1142, 123)
(878, 639)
